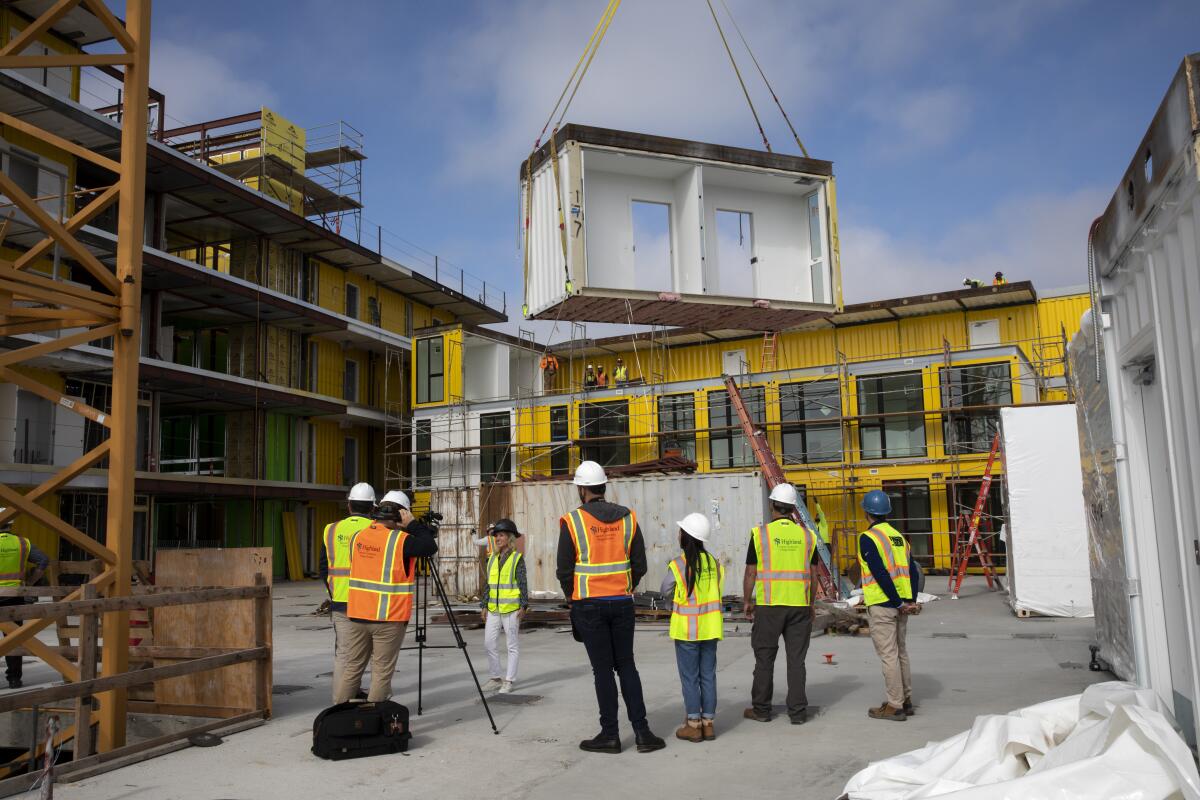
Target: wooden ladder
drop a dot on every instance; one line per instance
(966, 534)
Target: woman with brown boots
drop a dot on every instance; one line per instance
(694, 579)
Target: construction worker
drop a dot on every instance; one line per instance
(777, 598)
(379, 597)
(601, 377)
(822, 523)
(972, 283)
(21, 564)
(621, 373)
(601, 558)
(504, 603)
(887, 580)
(694, 580)
(334, 564)
(999, 279)
(549, 367)
(589, 378)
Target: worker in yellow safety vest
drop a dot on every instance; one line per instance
(822, 523)
(379, 597)
(334, 563)
(888, 580)
(694, 581)
(21, 564)
(621, 373)
(504, 603)
(999, 279)
(777, 598)
(601, 557)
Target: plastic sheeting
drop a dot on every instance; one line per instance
(1047, 531)
(1106, 544)
(1113, 742)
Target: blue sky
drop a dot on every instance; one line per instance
(966, 136)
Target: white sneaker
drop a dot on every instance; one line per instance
(506, 687)
(493, 685)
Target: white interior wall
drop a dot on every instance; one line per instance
(689, 244)
(608, 198)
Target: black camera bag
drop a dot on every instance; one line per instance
(356, 730)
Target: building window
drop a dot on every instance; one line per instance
(810, 422)
(350, 381)
(34, 429)
(911, 512)
(961, 499)
(431, 368)
(899, 431)
(560, 455)
(423, 444)
(979, 390)
(350, 461)
(727, 445)
(604, 432)
(495, 439)
(677, 425)
(351, 301)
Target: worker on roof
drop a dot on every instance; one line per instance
(621, 373)
(334, 564)
(21, 564)
(777, 599)
(695, 580)
(889, 577)
(589, 377)
(380, 597)
(972, 283)
(601, 558)
(504, 603)
(999, 279)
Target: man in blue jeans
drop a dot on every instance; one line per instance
(601, 557)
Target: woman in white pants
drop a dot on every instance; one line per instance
(505, 600)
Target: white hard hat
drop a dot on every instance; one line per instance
(590, 473)
(696, 526)
(397, 497)
(785, 493)
(361, 492)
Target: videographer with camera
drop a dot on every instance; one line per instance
(380, 595)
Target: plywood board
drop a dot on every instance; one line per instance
(222, 624)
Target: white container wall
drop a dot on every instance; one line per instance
(1046, 534)
(666, 231)
(1146, 250)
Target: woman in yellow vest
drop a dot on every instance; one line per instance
(504, 602)
(694, 580)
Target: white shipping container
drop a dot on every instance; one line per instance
(644, 229)
(1147, 261)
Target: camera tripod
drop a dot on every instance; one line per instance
(426, 569)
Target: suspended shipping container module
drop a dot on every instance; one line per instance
(630, 228)
(1146, 250)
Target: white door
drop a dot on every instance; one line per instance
(733, 362)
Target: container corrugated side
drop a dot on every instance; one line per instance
(545, 281)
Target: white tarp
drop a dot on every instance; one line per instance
(1047, 539)
(1113, 742)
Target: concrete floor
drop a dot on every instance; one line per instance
(970, 656)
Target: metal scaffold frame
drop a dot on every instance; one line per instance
(75, 315)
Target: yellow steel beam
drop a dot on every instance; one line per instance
(63, 60)
(36, 28)
(54, 345)
(113, 24)
(42, 390)
(33, 627)
(61, 478)
(10, 271)
(64, 529)
(79, 151)
(77, 221)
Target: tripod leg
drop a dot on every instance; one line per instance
(462, 645)
(422, 634)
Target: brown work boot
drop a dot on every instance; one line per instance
(690, 731)
(909, 709)
(706, 725)
(750, 713)
(888, 712)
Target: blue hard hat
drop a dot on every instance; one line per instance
(877, 503)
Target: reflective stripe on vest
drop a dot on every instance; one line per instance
(14, 557)
(697, 617)
(602, 566)
(894, 552)
(784, 555)
(504, 595)
(337, 554)
(380, 586)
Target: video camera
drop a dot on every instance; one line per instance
(432, 520)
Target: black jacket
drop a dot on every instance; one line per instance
(605, 512)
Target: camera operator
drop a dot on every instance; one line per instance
(382, 565)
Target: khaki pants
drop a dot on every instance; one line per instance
(888, 627)
(361, 642)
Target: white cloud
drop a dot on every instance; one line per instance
(1040, 238)
(915, 121)
(207, 81)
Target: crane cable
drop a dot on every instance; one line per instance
(592, 46)
(738, 72)
(774, 96)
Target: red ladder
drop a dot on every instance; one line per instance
(773, 474)
(964, 545)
